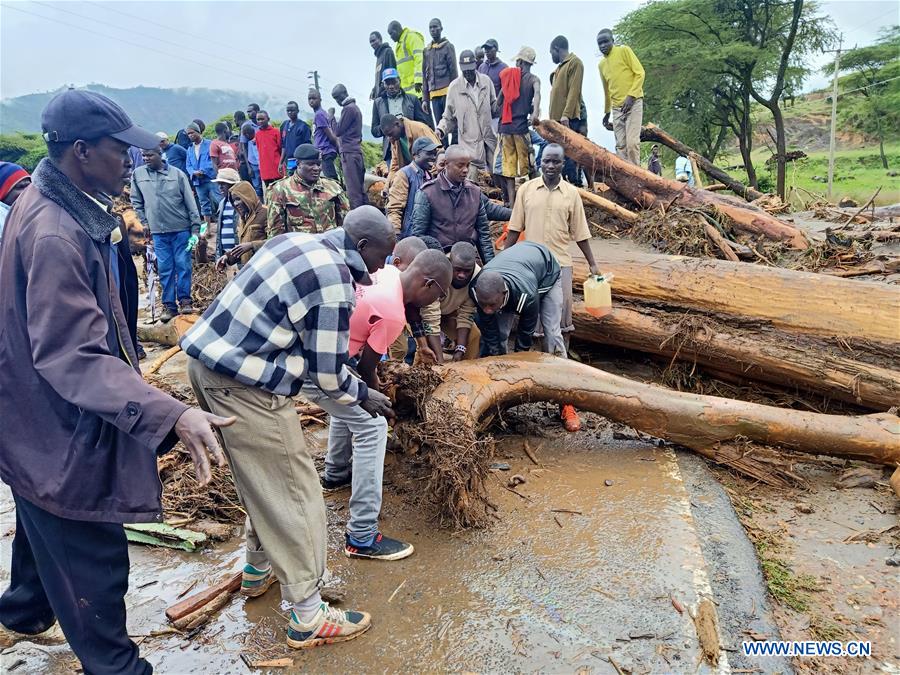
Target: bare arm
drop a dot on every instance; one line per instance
(368, 363)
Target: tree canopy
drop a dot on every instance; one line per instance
(709, 61)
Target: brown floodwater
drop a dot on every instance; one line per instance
(540, 590)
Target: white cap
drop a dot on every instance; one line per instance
(162, 135)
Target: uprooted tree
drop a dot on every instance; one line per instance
(445, 414)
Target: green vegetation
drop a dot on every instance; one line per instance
(857, 174)
(710, 62)
(788, 588)
(23, 149)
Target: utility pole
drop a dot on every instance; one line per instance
(834, 98)
(314, 76)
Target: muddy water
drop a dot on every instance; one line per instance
(529, 594)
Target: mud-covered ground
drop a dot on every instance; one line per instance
(596, 565)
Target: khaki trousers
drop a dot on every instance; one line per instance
(448, 327)
(275, 478)
(627, 129)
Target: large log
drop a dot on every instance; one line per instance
(652, 133)
(473, 391)
(764, 355)
(802, 302)
(648, 190)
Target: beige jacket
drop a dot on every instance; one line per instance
(468, 111)
(457, 302)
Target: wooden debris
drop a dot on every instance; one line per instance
(194, 603)
(648, 190)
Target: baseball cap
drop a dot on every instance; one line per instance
(162, 135)
(491, 43)
(79, 114)
(526, 54)
(467, 60)
(389, 74)
(423, 144)
(229, 176)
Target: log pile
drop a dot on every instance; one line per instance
(839, 339)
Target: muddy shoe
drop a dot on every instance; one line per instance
(329, 486)
(381, 548)
(329, 625)
(570, 418)
(168, 314)
(255, 582)
(187, 308)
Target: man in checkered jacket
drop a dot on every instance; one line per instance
(282, 320)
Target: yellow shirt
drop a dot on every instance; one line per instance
(554, 218)
(622, 75)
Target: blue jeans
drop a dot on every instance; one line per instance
(209, 197)
(173, 262)
(255, 179)
(355, 436)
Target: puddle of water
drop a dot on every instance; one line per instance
(529, 594)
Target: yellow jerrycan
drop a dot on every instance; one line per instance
(598, 295)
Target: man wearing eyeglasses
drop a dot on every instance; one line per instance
(382, 311)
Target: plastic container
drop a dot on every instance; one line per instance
(598, 295)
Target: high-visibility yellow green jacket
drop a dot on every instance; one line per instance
(408, 51)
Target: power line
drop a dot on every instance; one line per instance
(869, 22)
(874, 84)
(178, 30)
(157, 39)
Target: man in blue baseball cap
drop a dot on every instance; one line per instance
(393, 100)
(81, 427)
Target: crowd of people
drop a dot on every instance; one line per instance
(322, 288)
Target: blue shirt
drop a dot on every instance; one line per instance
(200, 162)
(294, 134)
(176, 156)
(250, 149)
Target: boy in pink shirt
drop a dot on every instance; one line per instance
(382, 310)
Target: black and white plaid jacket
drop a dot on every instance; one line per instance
(286, 317)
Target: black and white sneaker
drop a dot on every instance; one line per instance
(329, 486)
(381, 548)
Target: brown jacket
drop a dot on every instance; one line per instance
(81, 429)
(251, 230)
(413, 130)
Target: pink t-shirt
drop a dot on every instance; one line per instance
(225, 152)
(380, 315)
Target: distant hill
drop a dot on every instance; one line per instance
(152, 107)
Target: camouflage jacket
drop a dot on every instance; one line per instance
(296, 207)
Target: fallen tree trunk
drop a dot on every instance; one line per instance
(803, 302)
(652, 133)
(761, 355)
(472, 392)
(606, 205)
(648, 190)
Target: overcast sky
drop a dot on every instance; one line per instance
(270, 46)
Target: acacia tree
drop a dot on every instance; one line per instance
(722, 56)
(778, 35)
(872, 69)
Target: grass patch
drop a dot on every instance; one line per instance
(824, 629)
(787, 587)
(857, 173)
